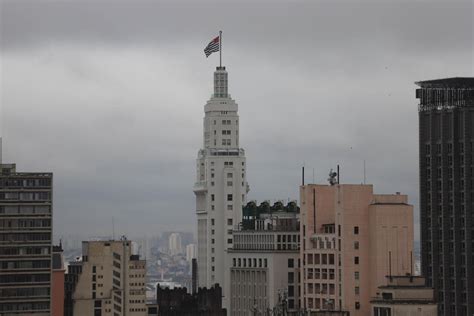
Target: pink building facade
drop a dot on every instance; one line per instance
(351, 239)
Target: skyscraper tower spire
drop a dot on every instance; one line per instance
(221, 187)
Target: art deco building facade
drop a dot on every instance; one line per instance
(221, 187)
(25, 241)
(351, 239)
(110, 282)
(262, 267)
(446, 138)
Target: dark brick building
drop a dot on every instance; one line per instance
(178, 302)
(446, 137)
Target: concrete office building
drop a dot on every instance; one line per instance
(221, 187)
(262, 266)
(404, 296)
(26, 210)
(110, 281)
(446, 138)
(351, 239)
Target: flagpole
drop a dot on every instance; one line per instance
(220, 48)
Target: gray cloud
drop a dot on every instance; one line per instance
(109, 96)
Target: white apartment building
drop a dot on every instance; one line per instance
(221, 187)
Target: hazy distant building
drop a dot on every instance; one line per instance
(402, 296)
(262, 266)
(26, 210)
(351, 239)
(221, 187)
(175, 245)
(111, 280)
(191, 252)
(446, 138)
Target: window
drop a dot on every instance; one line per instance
(356, 245)
(229, 175)
(291, 277)
(229, 221)
(356, 230)
(229, 241)
(212, 207)
(229, 207)
(212, 221)
(356, 275)
(357, 290)
(357, 305)
(212, 197)
(356, 260)
(291, 263)
(229, 197)
(229, 183)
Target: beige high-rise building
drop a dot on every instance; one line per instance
(112, 281)
(351, 240)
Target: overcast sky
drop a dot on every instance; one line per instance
(110, 96)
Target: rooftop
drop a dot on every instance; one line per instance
(454, 82)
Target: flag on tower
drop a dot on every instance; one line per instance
(212, 47)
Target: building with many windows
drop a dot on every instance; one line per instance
(446, 142)
(351, 239)
(26, 210)
(221, 187)
(110, 281)
(262, 266)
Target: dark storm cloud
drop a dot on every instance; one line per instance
(109, 96)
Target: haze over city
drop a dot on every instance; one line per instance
(109, 97)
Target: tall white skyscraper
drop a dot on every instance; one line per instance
(221, 187)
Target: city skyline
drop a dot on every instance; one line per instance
(120, 115)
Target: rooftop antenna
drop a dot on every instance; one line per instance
(302, 175)
(313, 176)
(338, 174)
(365, 178)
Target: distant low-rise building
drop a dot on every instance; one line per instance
(262, 266)
(404, 295)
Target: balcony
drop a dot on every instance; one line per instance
(200, 187)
